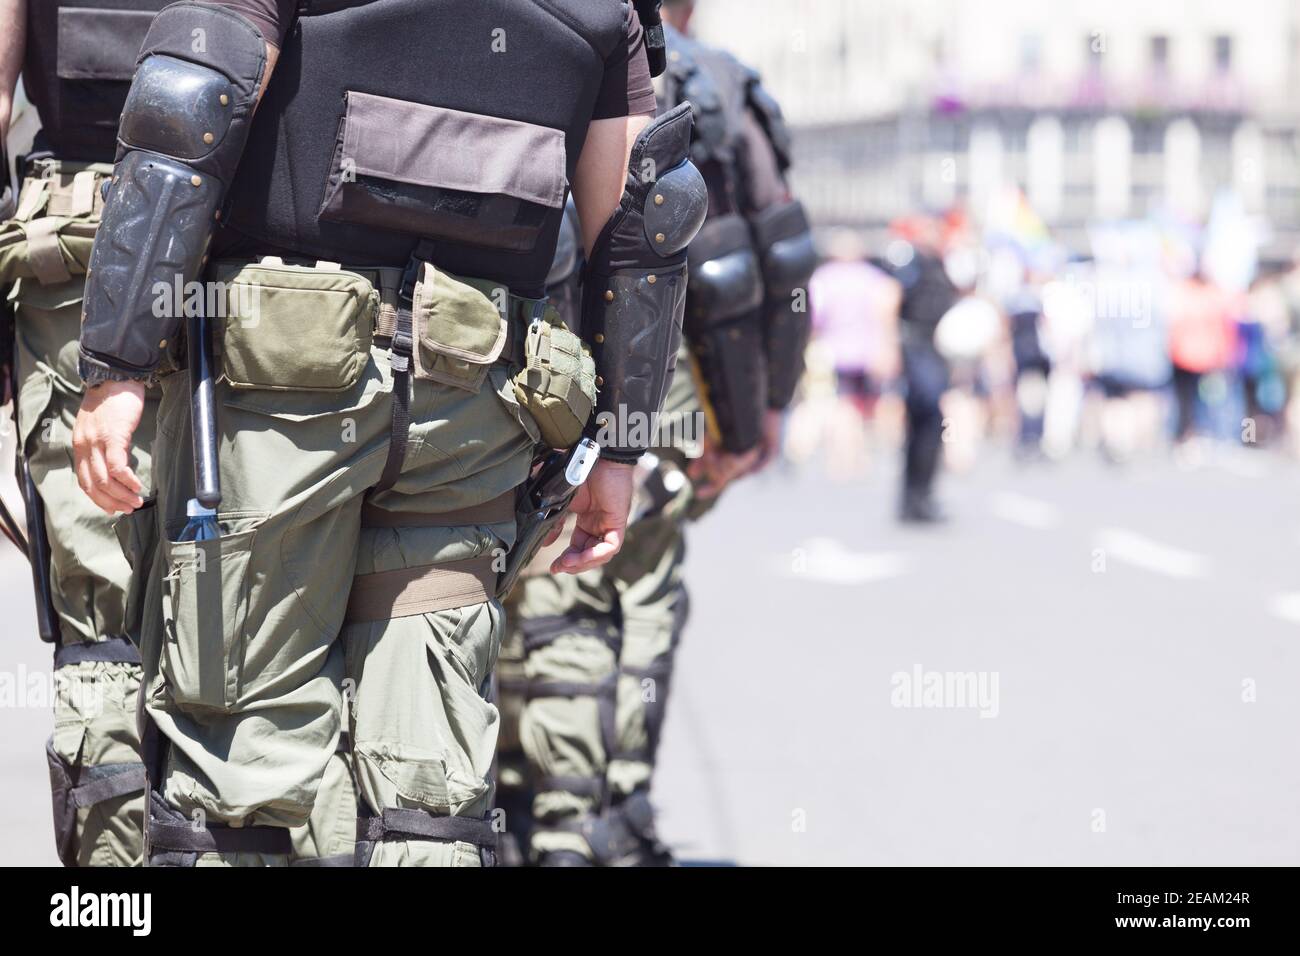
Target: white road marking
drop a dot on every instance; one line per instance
(825, 559)
(1286, 606)
(1027, 512)
(1143, 552)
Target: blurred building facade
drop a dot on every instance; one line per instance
(1099, 111)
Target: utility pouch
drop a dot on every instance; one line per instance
(557, 384)
(286, 327)
(459, 329)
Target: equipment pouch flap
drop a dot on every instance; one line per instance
(293, 328)
(100, 44)
(461, 329)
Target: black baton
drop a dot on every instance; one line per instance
(203, 412)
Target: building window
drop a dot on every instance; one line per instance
(1223, 52)
(1159, 53)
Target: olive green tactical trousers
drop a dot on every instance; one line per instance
(95, 734)
(98, 578)
(583, 686)
(256, 652)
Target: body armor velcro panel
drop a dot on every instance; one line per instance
(77, 68)
(456, 69)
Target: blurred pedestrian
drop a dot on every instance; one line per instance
(927, 293)
(854, 308)
(1202, 340)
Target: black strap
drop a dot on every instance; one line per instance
(541, 631)
(578, 786)
(573, 688)
(398, 824)
(659, 670)
(108, 781)
(114, 650)
(272, 841)
(606, 694)
(400, 351)
(347, 859)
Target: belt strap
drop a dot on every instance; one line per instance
(43, 252)
(113, 650)
(397, 824)
(107, 781)
(406, 592)
(497, 510)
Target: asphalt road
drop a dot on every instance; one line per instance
(1086, 666)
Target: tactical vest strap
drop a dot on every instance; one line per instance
(400, 352)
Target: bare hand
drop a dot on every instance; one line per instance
(601, 507)
(770, 444)
(716, 468)
(101, 445)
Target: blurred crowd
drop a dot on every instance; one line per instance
(1165, 337)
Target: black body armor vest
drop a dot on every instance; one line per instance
(391, 121)
(77, 70)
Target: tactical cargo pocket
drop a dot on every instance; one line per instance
(295, 327)
(65, 806)
(205, 602)
(444, 174)
(49, 319)
(460, 330)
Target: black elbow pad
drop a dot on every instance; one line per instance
(634, 290)
(789, 257)
(183, 130)
(724, 329)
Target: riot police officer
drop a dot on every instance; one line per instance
(589, 678)
(381, 229)
(77, 60)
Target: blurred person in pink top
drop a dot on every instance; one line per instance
(854, 309)
(1202, 339)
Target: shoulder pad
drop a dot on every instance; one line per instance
(771, 119)
(693, 84)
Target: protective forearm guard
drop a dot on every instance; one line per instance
(634, 289)
(183, 129)
(724, 329)
(788, 255)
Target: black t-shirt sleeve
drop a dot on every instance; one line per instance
(272, 17)
(626, 89)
